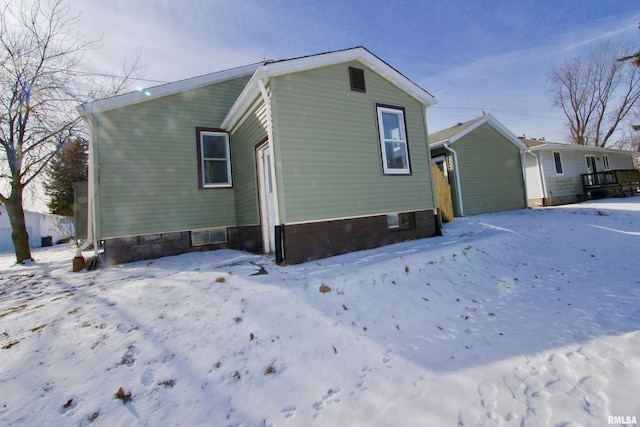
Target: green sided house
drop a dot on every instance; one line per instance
(304, 158)
(483, 162)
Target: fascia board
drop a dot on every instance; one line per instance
(556, 146)
(165, 89)
(471, 128)
(250, 92)
(359, 54)
(397, 79)
(438, 144)
(499, 127)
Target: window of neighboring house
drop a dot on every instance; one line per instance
(214, 159)
(393, 140)
(592, 165)
(605, 162)
(557, 159)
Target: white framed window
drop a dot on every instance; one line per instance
(393, 140)
(605, 162)
(557, 160)
(214, 158)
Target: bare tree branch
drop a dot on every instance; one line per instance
(39, 90)
(596, 94)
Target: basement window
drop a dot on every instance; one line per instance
(401, 221)
(393, 221)
(356, 78)
(209, 236)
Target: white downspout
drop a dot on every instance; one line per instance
(91, 186)
(447, 147)
(431, 178)
(267, 103)
(523, 165)
(543, 178)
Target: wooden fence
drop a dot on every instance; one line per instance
(443, 195)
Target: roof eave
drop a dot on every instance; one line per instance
(491, 121)
(556, 146)
(167, 89)
(438, 144)
(359, 54)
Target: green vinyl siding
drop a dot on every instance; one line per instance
(327, 147)
(147, 164)
(490, 169)
(251, 131)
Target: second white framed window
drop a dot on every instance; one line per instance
(557, 160)
(393, 140)
(214, 158)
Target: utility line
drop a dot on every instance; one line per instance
(499, 111)
(89, 73)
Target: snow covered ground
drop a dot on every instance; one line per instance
(526, 318)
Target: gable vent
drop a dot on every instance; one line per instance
(356, 77)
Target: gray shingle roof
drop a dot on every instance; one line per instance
(445, 134)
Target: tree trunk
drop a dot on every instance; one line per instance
(19, 234)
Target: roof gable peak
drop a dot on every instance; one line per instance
(454, 133)
(288, 66)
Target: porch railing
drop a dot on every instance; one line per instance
(617, 180)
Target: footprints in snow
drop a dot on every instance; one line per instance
(362, 382)
(589, 390)
(330, 398)
(148, 377)
(288, 411)
(532, 386)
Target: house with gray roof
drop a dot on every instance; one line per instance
(483, 162)
(559, 173)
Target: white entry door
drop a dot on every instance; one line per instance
(267, 197)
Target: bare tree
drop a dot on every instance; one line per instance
(596, 93)
(40, 85)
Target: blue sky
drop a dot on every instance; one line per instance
(471, 55)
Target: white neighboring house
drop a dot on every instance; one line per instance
(39, 226)
(554, 169)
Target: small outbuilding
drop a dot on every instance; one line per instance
(483, 162)
(44, 229)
